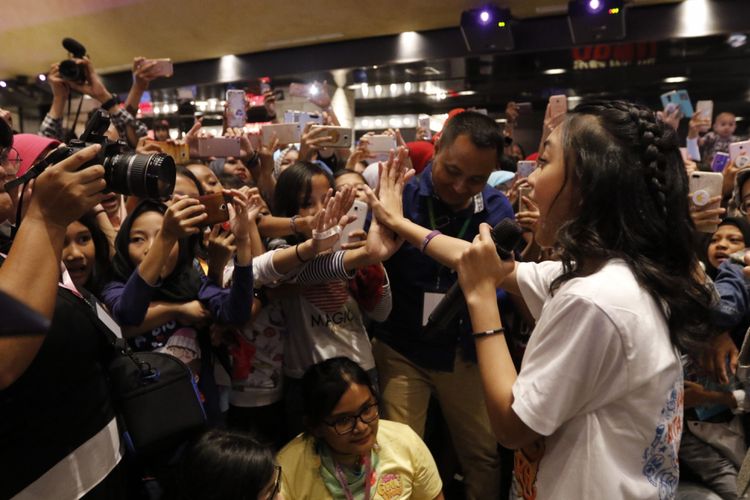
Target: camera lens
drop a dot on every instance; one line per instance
(145, 176)
(71, 71)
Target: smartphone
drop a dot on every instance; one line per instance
(720, 162)
(706, 110)
(703, 187)
(265, 85)
(341, 137)
(163, 67)
(255, 141)
(524, 107)
(381, 143)
(220, 147)
(358, 210)
(681, 99)
(286, 133)
(302, 118)
(524, 168)
(235, 108)
(523, 190)
(558, 104)
(740, 154)
(424, 122)
(180, 153)
(299, 89)
(217, 207)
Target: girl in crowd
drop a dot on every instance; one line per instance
(347, 451)
(325, 318)
(227, 465)
(86, 254)
(596, 409)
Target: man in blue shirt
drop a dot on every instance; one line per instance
(451, 195)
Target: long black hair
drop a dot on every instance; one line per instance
(324, 383)
(626, 167)
(224, 465)
(101, 272)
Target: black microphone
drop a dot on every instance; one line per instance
(74, 47)
(506, 235)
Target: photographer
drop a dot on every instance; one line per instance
(59, 435)
(128, 128)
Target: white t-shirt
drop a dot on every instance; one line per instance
(602, 381)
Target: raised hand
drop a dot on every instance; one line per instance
(221, 248)
(528, 218)
(331, 220)
(310, 141)
(183, 218)
(381, 242)
(93, 85)
(387, 206)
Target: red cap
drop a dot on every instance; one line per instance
(32, 147)
(420, 152)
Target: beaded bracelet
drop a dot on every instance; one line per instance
(428, 238)
(487, 333)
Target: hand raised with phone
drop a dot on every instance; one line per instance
(183, 218)
(387, 204)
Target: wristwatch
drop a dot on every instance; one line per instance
(109, 103)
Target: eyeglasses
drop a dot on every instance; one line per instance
(345, 425)
(276, 483)
(14, 161)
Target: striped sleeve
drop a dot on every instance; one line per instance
(324, 268)
(383, 308)
(51, 127)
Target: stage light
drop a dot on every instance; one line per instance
(42, 77)
(594, 21)
(554, 71)
(487, 29)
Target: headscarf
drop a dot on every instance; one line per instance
(278, 159)
(181, 285)
(741, 224)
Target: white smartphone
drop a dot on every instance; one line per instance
(703, 187)
(163, 68)
(524, 168)
(286, 133)
(302, 118)
(424, 123)
(523, 190)
(341, 137)
(358, 210)
(220, 147)
(739, 152)
(381, 143)
(235, 108)
(705, 109)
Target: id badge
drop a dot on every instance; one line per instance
(430, 302)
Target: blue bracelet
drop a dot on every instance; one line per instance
(428, 238)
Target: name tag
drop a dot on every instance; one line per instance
(108, 321)
(431, 300)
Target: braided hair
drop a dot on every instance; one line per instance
(627, 169)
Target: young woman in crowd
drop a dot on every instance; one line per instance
(86, 254)
(347, 451)
(326, 317)
(596, 408)
(227, 465)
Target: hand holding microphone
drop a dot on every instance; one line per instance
(481, 269)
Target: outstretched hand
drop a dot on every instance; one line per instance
(331, 220)
(387, 204)
(480, 269)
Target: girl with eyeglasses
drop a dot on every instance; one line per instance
(347, 452)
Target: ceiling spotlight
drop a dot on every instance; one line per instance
(42, 77)
(594, 21)
(676, 79)
(484, 17)
(737, 40)
(555, 71)
(594, 6)
(313, 90)
(3, 84)
(487, 29)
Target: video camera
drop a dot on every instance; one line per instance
(70, 69)
(146, 176)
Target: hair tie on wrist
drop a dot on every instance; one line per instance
(487, 333)
(299, 257)
(293, 223)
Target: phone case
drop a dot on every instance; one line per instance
(679, 98)
(705, 108)
(424, 122)
(217, 207)
(523, 191)
(220, 147)
(381, 143)
(740, 154)
(235, 108)
(558, 104)
(358, 210)
(524, 168)
(164, 67)
(341, 137)
(703, 187)
(720, 162)
(286, 133)
(180, 153)
(302, 118)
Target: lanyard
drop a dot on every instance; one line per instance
(345, 484)
(433, 225)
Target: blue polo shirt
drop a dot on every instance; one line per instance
(412, 273)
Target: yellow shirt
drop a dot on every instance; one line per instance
(406, 469)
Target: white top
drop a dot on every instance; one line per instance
(602, 381)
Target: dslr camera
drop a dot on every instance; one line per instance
(146, 176)
(70, 69)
